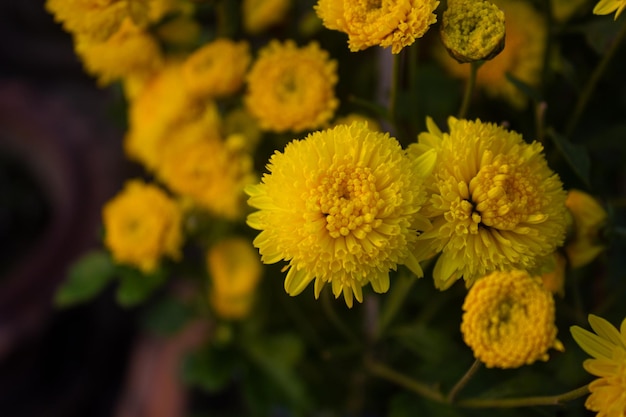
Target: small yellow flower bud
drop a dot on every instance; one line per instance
(473, 30)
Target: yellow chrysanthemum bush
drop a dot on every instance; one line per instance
(357, 207)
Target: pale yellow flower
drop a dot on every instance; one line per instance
(217, 69)
(522, 56)
(493, 201)
(387, 23)
(341, 207)
(508, 320)
(589, 218)
(609, 6)
(235, 271)
(291, 88)
(259, 15)
(608, 348)
(142, 224)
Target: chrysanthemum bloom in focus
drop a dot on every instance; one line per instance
(342, 207)
(608, 348)
(97, 20)
(217, 69)
(199, 165)
(131, 51)
(386, 23)
(291, 88)
(142, 224)
(259, 15)
(235, 271)
(522, 56)
(508, 320)
(589, 219)
(609, 6)
(473, 30)
(493, 201)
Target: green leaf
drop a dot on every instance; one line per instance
(575, 155)
(166, 317)
(135, 287)
(86, 278)
(209, 369)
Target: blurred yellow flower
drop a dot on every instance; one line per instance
(472, 30)
(609, 6)
(386, 23)
(291, 88)
(589, 218)
(508, 320)
(350, 118)
(197, 164)
(142, 224)
(217, 69)
(607, 346)
(131, 51)
(493, 201)
(97, 20)
(522, 56)
(239, 122)
(235, 271)
(259, 15)
(552, 273)
(342, 207)
(562, 10)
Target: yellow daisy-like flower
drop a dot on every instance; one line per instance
(522, 56)
(493, 201)
(217, 69)
(97, 20)
(387, 23)
(589, 219)
(128, 52)
(609, 6)
(142, 225)
(508, 320)
(235, 271)
(291, 88)
(342, 207)
(473, 30)
(259, 15)
(608, 348)
(199, 165)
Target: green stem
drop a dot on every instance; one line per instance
(464, 380)
(382, 371)
(469, 89)
(584, 97)
(525, 401)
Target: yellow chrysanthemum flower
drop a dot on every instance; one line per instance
(142, 225)
(217, 69)
(259, 15)
(291, 88)
(589, 219)
(522, 56)
(493, 201)
(609, 6)
(342, 207)
(608, 347)
(473, 30)
(386, 23)
(350, 118)
(130, 51)
(97, 20)
(235, 271)
(508, 320)
(197, 164)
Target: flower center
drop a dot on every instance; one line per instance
(348, 199)
(506, 194)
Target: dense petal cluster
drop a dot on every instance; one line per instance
(291, 88)
(609, 6)
(259, 15)
(508, 320)
(522, 56)
(386, 23)
(342, 207)
(217, 69)
(493, 201)
(608, 348)
(142, 225)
